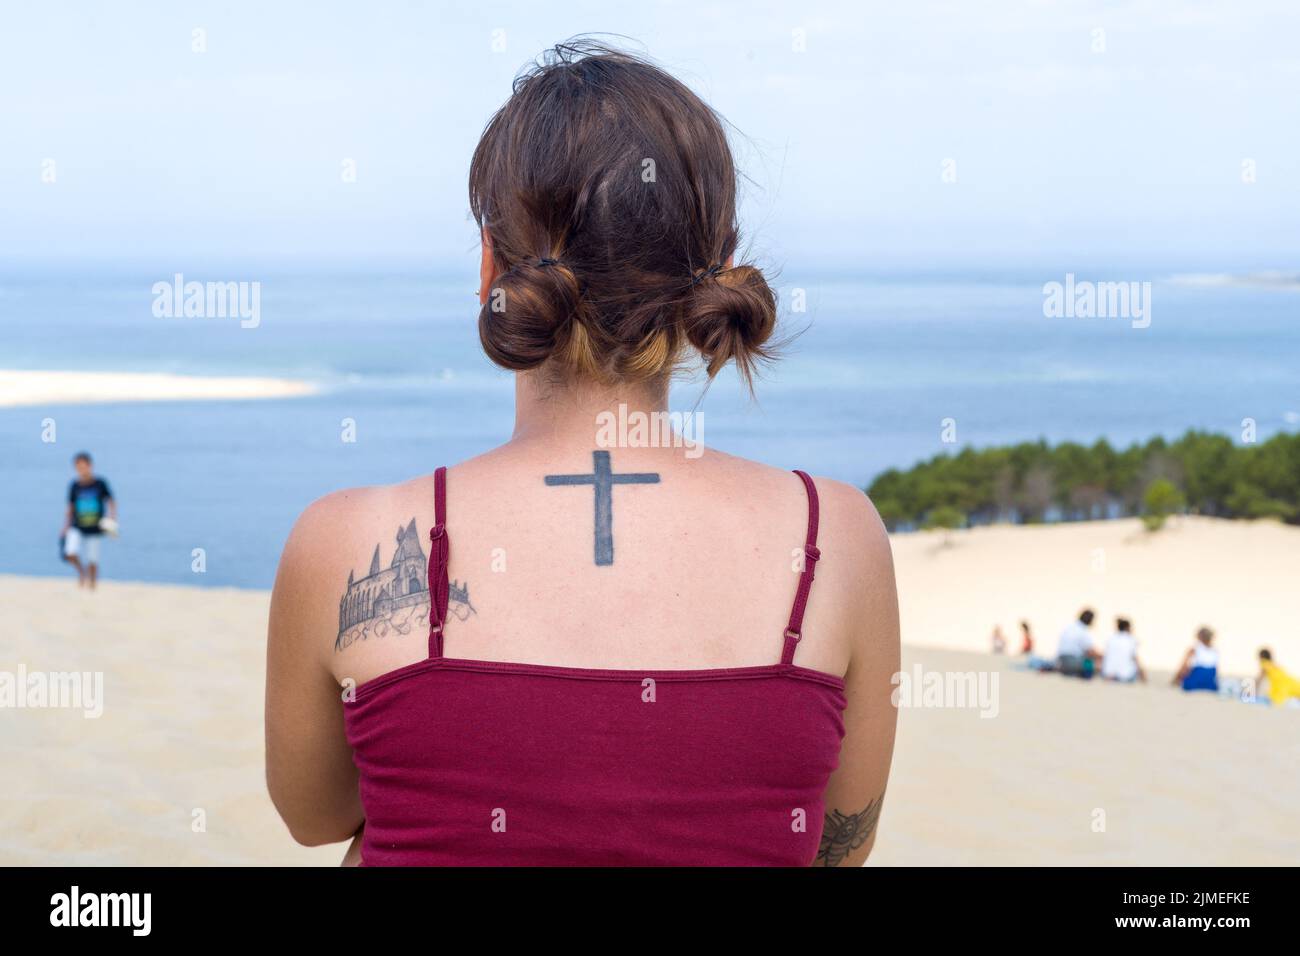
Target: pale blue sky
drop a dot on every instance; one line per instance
(1063, 155)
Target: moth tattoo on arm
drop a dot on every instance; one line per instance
(394, 600)
(844, 833)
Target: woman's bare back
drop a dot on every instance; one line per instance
(690, 563)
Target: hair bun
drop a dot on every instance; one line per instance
(557, 191)
(730, 318)
(531, 313)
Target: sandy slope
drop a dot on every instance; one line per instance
(181, 729)
(1240, 578)
(1087, 773)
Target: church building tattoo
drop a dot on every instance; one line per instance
(394, 599)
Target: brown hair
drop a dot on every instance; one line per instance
(607, 191)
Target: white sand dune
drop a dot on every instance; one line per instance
(181, 729)
(26, 387)
(1088, 773)
(1169, 778)
(1237, 577)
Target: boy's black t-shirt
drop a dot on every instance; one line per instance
(88, 504)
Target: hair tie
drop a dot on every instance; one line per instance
(546, 261)
(705, 274)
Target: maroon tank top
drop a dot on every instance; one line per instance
(466, 762)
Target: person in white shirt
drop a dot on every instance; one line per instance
(1121, 662)
(1075, 654)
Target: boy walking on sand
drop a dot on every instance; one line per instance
(90, 507)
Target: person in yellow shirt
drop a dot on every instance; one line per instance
(1281, 685)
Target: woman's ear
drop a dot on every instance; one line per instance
(487, 270)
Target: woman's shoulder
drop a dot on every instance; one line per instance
(861, 570)
(854, 573)
(854, 593)
(327, 549)
(847, 519)
(319, 550)
(339, 511)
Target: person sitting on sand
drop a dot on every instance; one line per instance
(1121, 662)
(1282, 687)
(1200, 667)
(89, 502)
(999, 640)
(1075, 655)
(1026, 639)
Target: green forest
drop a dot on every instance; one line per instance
(1032, 482)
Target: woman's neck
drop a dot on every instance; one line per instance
(573, 414)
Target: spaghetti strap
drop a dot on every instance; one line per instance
(439, 556)
(794, 629)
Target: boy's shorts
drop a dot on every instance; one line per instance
(1073, 665)
(84, 545)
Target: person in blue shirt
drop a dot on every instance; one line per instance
(91, 507)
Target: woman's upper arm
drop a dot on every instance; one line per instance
(309, 770)
(856, 791)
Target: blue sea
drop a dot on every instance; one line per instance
(881, 362)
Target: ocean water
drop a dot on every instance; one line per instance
(881, 362)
